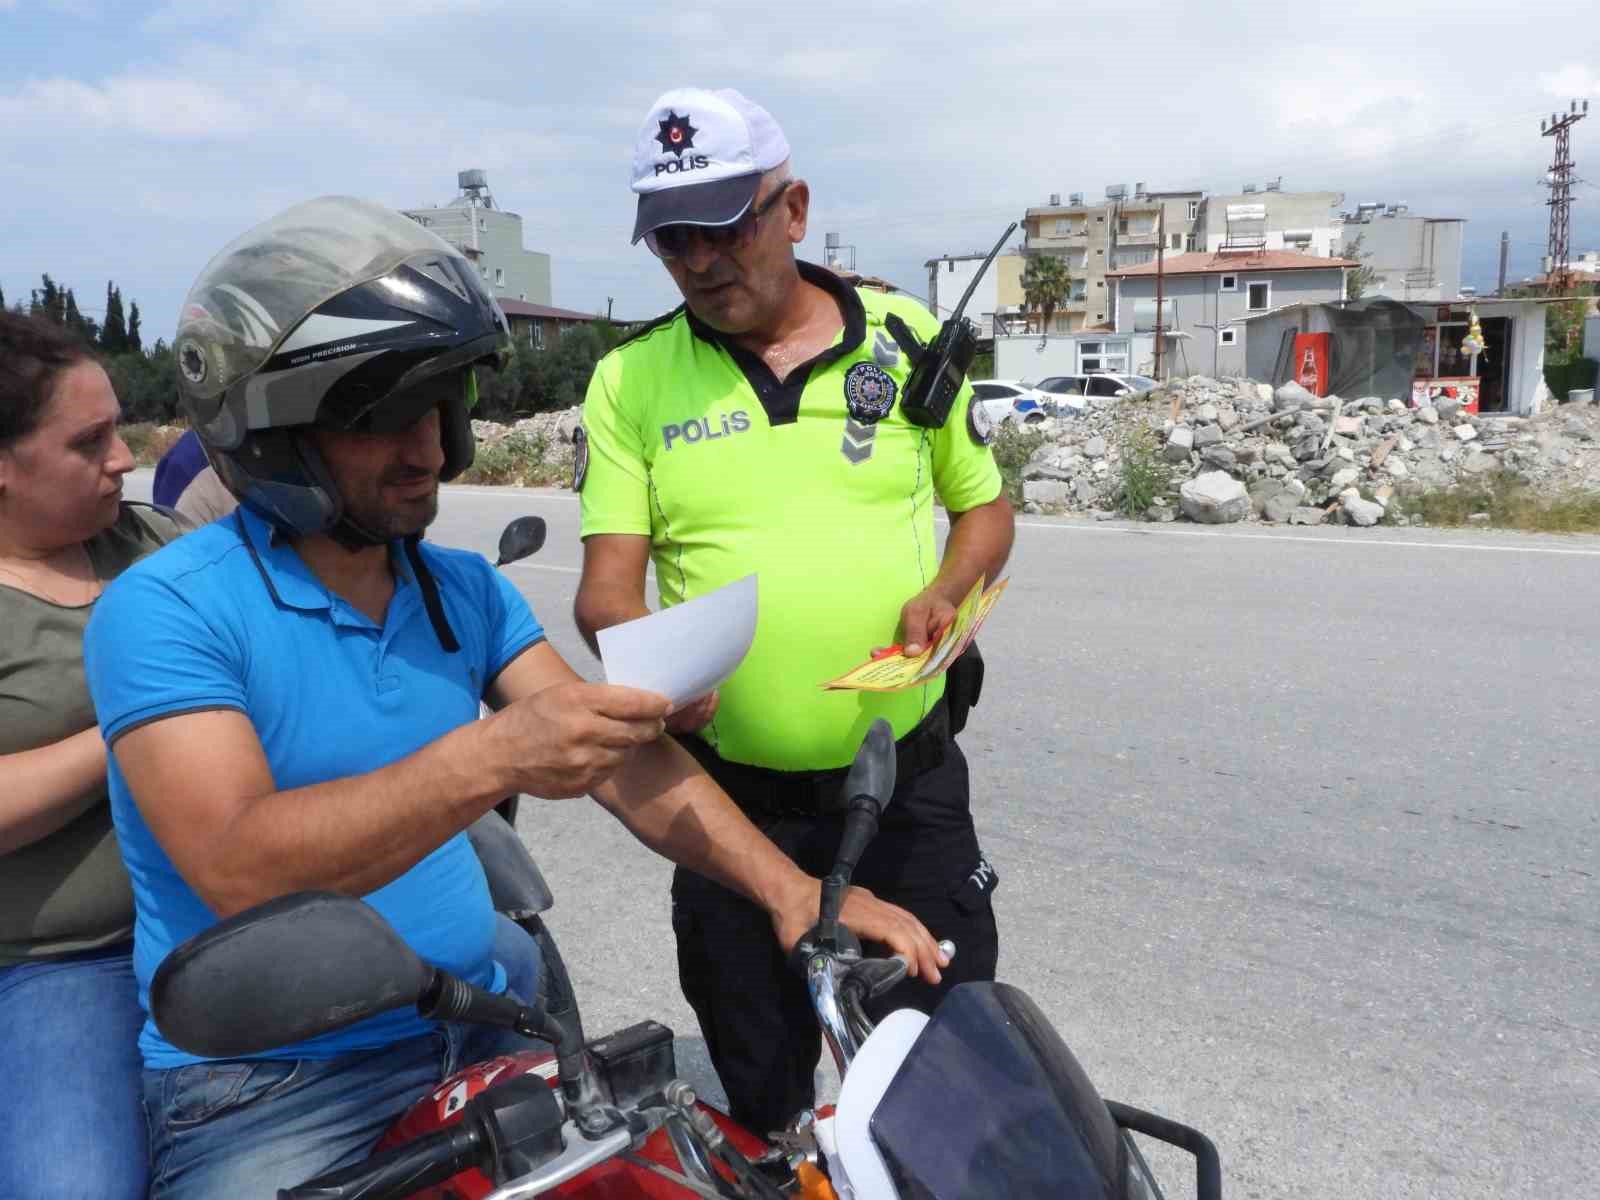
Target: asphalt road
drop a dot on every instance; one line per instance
(1297, 838)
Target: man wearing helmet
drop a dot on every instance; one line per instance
(291, 698)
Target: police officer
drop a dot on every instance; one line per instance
(757, 428)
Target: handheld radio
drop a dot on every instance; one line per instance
(939, 368)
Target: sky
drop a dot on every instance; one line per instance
(138, 139)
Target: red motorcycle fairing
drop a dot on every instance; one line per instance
(613, 1180)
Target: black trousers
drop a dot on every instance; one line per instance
(754, 1012)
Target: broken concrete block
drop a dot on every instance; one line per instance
(1046, 491)
(1280, 508)
(1465, 433)
(1357, 511)
(1428, 415)
(1179, 444)
(1343, 478)
(1347, 426)
(1207, 435)
(1215, 498)
(1307, 516)
(1292, 395)
(1095, 447)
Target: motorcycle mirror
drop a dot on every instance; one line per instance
(281, 972)
(521, 538)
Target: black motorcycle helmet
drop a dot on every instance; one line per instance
(336, 314)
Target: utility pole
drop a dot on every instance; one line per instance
(1560, 180)
(1161, 280)
(1505, 251)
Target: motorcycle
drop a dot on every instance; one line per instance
(981, 1099)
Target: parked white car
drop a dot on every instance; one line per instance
(1011, 400)
(1070, 390)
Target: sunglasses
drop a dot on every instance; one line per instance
(674, 241)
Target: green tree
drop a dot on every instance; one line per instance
(1360, 278)
(1045, 284)
(48, 302)
(133, 344)
(74, 320)
(114, 332)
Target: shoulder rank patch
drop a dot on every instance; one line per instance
(980, 425)
(580, 458)
(869, 392)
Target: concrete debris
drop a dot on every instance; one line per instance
(1308, 516)
(1280, 508)
(1214, 498)
(1360, 512)
(1465, 432)
(1046, 491)
(1319, 446)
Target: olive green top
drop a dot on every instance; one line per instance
(68, 891)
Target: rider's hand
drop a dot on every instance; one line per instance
(570, 737)
(695, 715)
(870, 919)
(923, 618)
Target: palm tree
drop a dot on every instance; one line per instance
(1045, 284)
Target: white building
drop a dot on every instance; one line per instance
(491, 238)
(998, 291)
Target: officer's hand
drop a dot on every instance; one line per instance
(871, 920)
(922, 619)
(570, 737)
(695, 715)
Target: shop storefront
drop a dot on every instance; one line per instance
(1447, 368)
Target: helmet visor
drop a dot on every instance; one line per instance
(259, 287)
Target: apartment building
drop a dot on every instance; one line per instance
(491, 238)
(1123, 230)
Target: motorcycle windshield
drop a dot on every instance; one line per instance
(990, 1102)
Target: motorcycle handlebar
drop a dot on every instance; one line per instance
(400, 1172)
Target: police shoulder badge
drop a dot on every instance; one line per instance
(580, 458)
(980, 425)
(869, 392)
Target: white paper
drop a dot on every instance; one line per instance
(685, 651)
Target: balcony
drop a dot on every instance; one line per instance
(1065, 241)
(1139, 239)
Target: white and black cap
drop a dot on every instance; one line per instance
(699, 158)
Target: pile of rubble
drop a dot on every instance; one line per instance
(1237, 449)
(549, 433)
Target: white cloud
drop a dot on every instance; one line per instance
(1574, 81)
(922, 125)
(151, 107)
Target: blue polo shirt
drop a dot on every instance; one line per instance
(230, 617)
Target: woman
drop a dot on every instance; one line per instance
(69, 1010)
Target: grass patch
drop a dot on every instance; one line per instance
(1144, 475)
(1014, 444)
(1510, 503)
(516, 460)
(149, 441)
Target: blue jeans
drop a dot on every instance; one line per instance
(242, 1129)
(69, 1067)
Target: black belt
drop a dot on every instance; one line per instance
(820, 793)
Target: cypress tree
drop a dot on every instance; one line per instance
(114, 333)
(132, 344)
